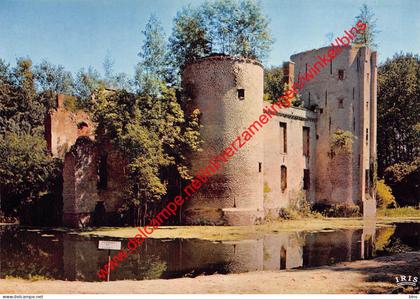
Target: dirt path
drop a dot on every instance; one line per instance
(372, 276)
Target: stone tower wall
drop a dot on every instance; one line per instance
(342, 104)
(79, 183)
(61, 127)
(235, 194)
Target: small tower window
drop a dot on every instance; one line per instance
(283, 177)
(283, 132)
(305, 141)
(367, 183)
(367, 136)
(341, 103)
(241, 94)
(259, 166)
(306, 180)
(326, 98)
(340, 74)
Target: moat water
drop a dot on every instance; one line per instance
(69, 256)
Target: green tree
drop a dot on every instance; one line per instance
(19, 109)
(110, 79)
(52, 79)
(153, 67)
(49, 77)
(237, 28)
(25, 165)
(384, 197)
(398, 146)
(26, 170)
(86, 83)
(399, 95)
(273, 87)
(368, 36)
(189, 39)
(153, 134)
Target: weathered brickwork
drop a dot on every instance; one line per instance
(63, 127)
(287, 161)
(344, 93)
(291, 159)
(235, 194)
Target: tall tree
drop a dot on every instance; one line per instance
(237, 28)
(54, 78)
(25, 165)
(398, 98)
(153, 134)
(153, 66)
(20, 111)
(368, 36)
(273, 87)
(86, 83)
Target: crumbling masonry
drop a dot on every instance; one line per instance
(290, 161)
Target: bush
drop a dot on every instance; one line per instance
(299, 203)
(384, 197)
(288, 214)
(341, 141)
(342, 210)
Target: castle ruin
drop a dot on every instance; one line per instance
(290, 160)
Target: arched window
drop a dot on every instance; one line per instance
(283, 175)
(82, 129)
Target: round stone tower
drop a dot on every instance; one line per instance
(229, 93)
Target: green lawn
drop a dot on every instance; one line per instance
(399, 212)
(255, 231)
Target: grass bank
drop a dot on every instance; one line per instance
(252, 232)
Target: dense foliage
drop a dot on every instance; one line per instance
(384, 197)
(399, 145)
(26, 169)
(237, 28)
(272, 83)
(153, 134)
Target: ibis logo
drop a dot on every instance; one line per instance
(406, 280)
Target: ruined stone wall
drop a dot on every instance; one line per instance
(62, 127)
(80, 183)
(235, 194)
(342, 104)
(294, 159)
(83, 189)
(116, 169)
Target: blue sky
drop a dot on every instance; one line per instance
(79, 33)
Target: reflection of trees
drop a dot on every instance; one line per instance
(140, 267)
(396, 239)
(24, 256)
(383, 236)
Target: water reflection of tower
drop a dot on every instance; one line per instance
(283, 251)
(368, 239)
(328, 247)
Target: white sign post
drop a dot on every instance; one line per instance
(110, 245)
